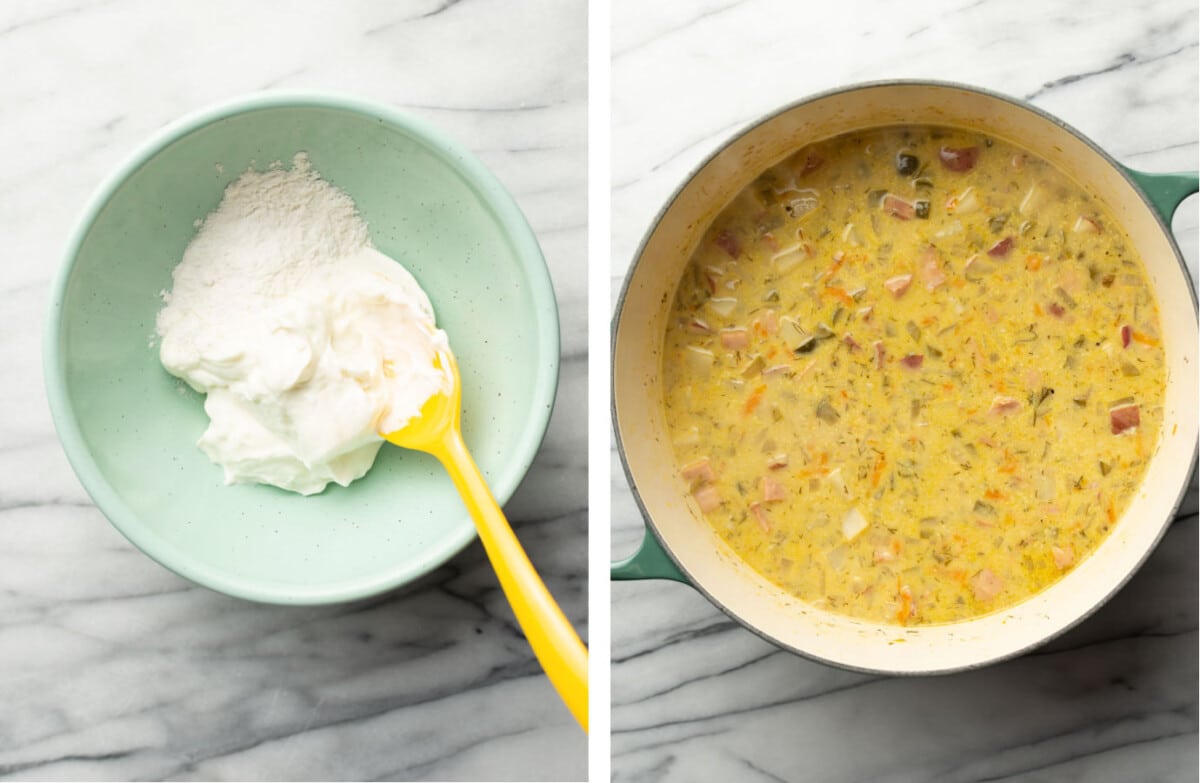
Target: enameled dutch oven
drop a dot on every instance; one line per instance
(680, 545)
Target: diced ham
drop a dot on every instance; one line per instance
(760, 514)
(898, 284)
(1056, 309)
(1064, 557)
(958, 158)
(773, 491)
(777, 461)
(851, 343)
(712, 276)
(1124, 418)
(697, 326)
(1003, 406)
(708, 498)
(931, 269)
(913, 361)
(898, 207)
(699, 469)
(886, 554)
(986, 585)
(1126, 335)
(865, 312)
(735, 339)
(1001, 248)
(728, 241)
(878, 355)
(768, 322)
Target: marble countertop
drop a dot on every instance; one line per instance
(110, 666)
(695, 696)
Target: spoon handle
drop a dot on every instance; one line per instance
(554, 642)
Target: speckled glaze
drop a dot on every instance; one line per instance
(129, 429)
(680, 545)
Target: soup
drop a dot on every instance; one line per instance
(913, 375)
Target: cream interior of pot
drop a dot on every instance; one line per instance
(708, 562)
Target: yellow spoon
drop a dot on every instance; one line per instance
(437, 431)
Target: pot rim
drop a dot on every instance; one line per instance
(652, 529)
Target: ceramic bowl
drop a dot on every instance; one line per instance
(130, 429)
(680, 545)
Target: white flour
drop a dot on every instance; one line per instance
(307, 341)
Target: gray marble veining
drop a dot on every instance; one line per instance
(110, 666)
(695, 696)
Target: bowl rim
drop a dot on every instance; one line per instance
(618, 313)
(544, 385)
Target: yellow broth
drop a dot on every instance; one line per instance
(913, 375)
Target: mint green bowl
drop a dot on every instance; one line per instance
(130, 429)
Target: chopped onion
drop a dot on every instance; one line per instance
(1032, 201)
(792, 333)
(952, 228)
(698, 359)
(1046, 489)
(853, 524)
(789, 258)
(835, 478)
(836, 557)
(963, 203)
(722, 306)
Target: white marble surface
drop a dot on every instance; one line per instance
(113, 668)
(696, 697)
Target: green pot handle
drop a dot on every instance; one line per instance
(649, 562)
(1165, 191)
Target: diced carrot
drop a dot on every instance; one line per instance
(753, 400)
(1010, 463)
(994, 494)
(1033, 262)
(906, 603)
(1145, 339)
(1037, 309)
(877, 473)
(840, 295)
(1111, 511)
